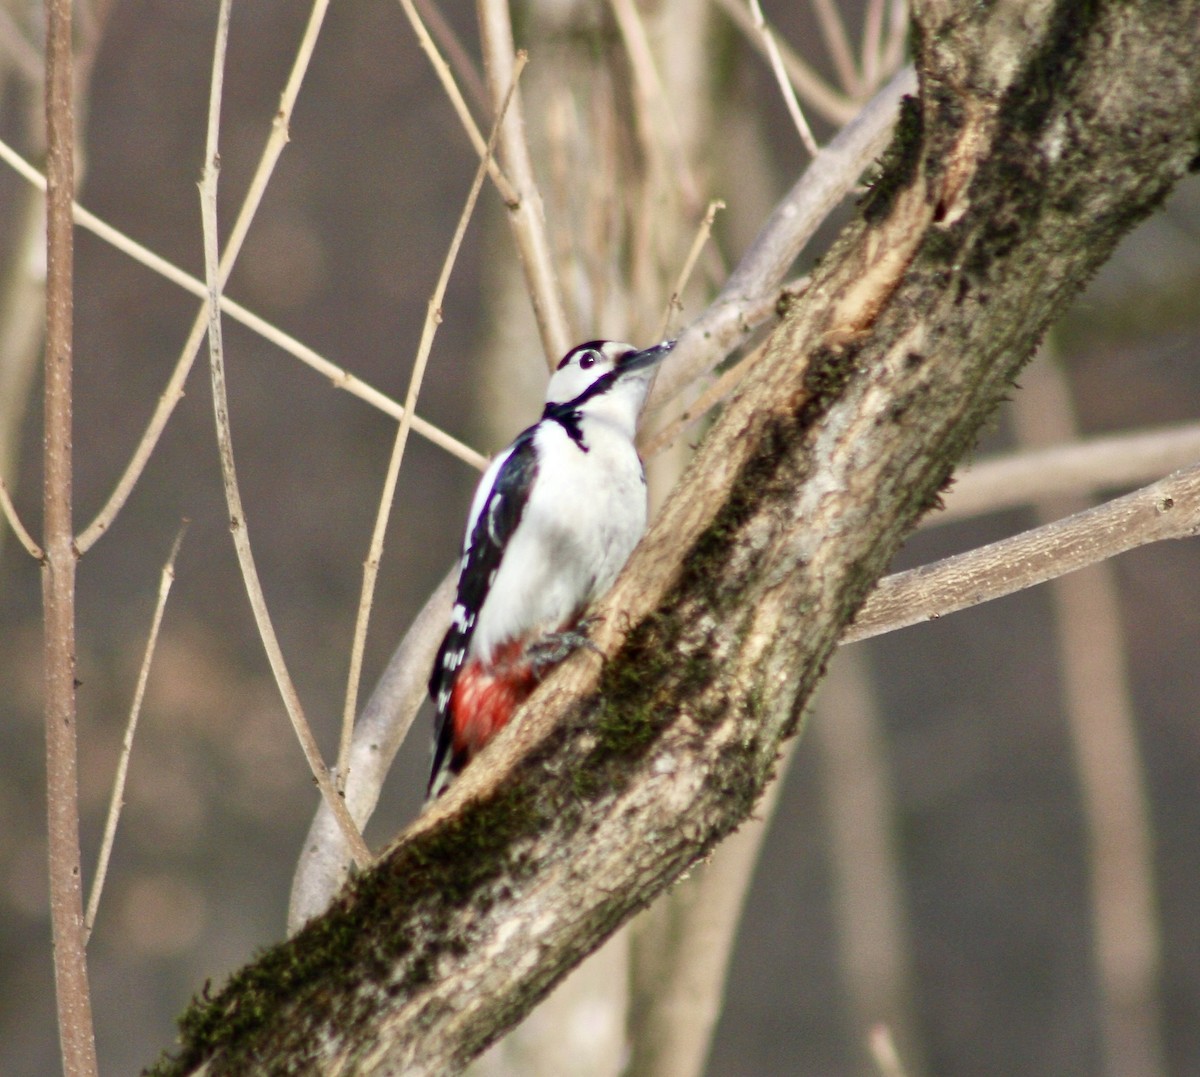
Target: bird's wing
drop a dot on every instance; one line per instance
(495, 514)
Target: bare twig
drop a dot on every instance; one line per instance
(117, 799)
(832, 174)
(837, 41)
(785, 85)
(170, 396)
(525, 214)
(173, 393)
(442, 69)
(339, 376)
(652, 101)
(14, 521)
(433, 318)
(1112, 462)
(651, 443)
(459, 58)
(1169, 508)
(663, 439)
(237, 516)
(378, 734)
(872, 43)
(689, 263)
(72, 992)
(832, 105)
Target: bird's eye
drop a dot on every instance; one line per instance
(587, 360)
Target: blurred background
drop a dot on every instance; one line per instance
(978, 819)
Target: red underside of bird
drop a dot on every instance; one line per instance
(484, 697)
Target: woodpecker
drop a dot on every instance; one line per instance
(554, 519)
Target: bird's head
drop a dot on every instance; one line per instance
(599, 367)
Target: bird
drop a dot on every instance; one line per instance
(553, 521)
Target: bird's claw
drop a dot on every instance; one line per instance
(556, 647)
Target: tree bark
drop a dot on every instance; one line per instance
(1042, 132)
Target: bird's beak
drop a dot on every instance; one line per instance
(649, 357)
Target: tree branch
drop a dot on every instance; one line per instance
(1075, 467)
(238, 526)
(526, 215)
(1037, 141)
(1168, 509)
(72, 992)
(831, 176)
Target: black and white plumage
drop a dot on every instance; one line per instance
(553, 521)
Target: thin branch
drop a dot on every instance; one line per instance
(526, 214)
(460, 59)
(1119, 460)
(378, 734)
(832, 105)
(117, 799)
(651, 443)
(785, 85)
(173, 393)
(689, 263)
(339, 376)
(837, 41)
(831, 175)
(1167, 509)
(237, 516)
(654, 443)
(433, 318)
(442, 69)
(651, 99)
(14, 521)
(872, 43)
(72, 992)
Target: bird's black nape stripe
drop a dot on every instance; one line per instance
(599, 387)
(569, 418)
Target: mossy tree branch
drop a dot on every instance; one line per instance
(1042, 133)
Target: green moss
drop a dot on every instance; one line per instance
(1030, 100)
(898, 166)
(942, 245)
(1015, 176)
(825, 379)
(358, 942)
